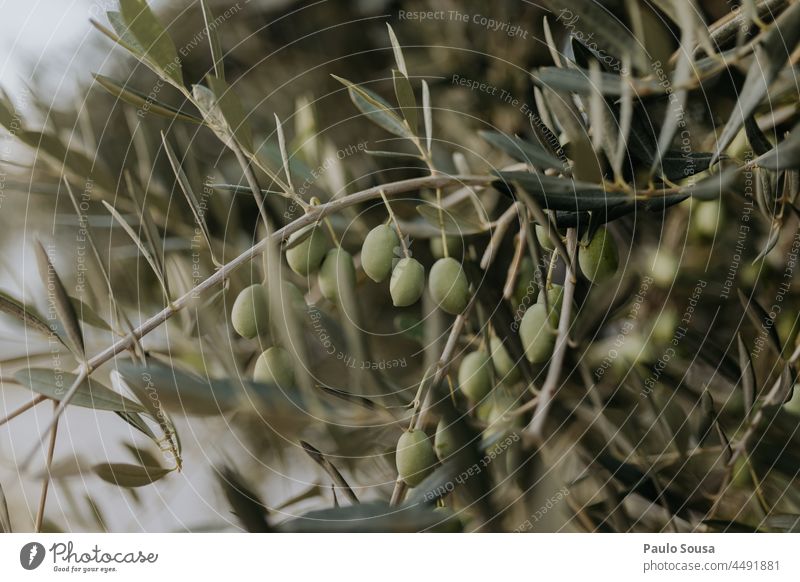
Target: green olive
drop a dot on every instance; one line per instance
(544, 240)
(475, 375)
(526, 281)
(707, 217)
(448, 286)
(504, 366)
(555, 298)
(275, 366)
(538, 338)
(407, 282)
(337, 272)
(444, 442)
(304, 258)
(500, 420)
(250, 312)
(292, 297)
(378, 251)
(415, 457)
(455, 246)
(599, 259)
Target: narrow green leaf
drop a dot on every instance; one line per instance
(398, 51)
(784, 156)
(223, 111)
(284, 154)
(88, 315)
(213, 40)
(148, 256)
(91, 393)
(427, 113)
(406, 99)
(713, 186)
(157, 46)
(582, 81)
(27, 315)
(563, 193)
(57, 294)
(375, 109)
(522, 150)
(748, 376)
(127, 475)
(142, 101)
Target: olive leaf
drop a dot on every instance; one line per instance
(427, 114)
(330, 469)
(372, 517)
(148, 255)
(57, 294)
(768, 60)
(563, 193)
(90, 394)
(375, 109)
(406, 99)
(157, 49)
(522, 150)
(760, 318)
(27, 315)
(88, 315)
(143, 102)
(284, 154)
(748, 376)
(712, 186)
(610, 33)
(578, 80)
(398, 51)
(213, 40)
(128, 475)
(245, 503)
(784, 156)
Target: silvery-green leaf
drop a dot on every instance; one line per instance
(581, 81)
(372, 517)
(398, 51)
(522, 150)
(27, 315)
(127, 475)
(713, 186)
(62, 301)
(158, 49)
(91, 393)
(406, 99)
(231, 110)
(609, 32)
(563, 193)
(375, 109)
(428, 115)
(213, 40)
(88, 315)
(785, 155)
(142, 101)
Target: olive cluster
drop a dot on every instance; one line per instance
(416, 455)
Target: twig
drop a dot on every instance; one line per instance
(24, 408)
(46, 479)
(331, 470)
(557, 361)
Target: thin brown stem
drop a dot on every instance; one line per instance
(24, 408)
(46, 479)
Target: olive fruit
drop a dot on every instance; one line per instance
(707, 217)
(538, 338)
(275, 365)
(292, 297)
(455, 246)
(407, 282)
(377, 252)
(304, 258)
(500, 420)
(475, 375)
(444, 443)
(250, 312)
(526, 281)
(415, 457)
(337, 272)
(544, 240)
(505, 367)
(449, 286)
(555, 298)
(599, 258)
